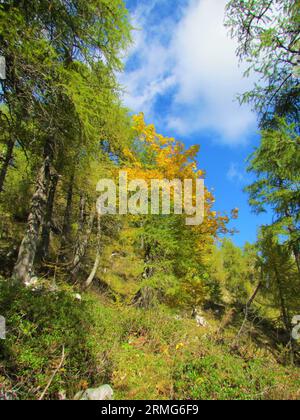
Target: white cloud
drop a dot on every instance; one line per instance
(236, 174)
(200, 63)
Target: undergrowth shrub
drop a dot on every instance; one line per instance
(226, 377)
(39, 325)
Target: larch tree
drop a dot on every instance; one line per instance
(82, 42)
(268, 36)
(276, 165)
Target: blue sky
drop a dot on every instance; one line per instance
(182, 72)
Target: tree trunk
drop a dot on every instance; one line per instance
(91, 277)
(82, 214)
(295, 246)
(80, 233)
(24, 265)
(148, 271)
(284, 311)
(6, 162)
(47, 225)
(82, 244)
(68, 212)
(66, 229)
(297, 257)
(285, 314)
(253, 297)
(248, 306)
(146, 298)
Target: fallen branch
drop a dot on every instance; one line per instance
(54, 374)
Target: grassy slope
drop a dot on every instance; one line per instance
(142, 354)
(155, 356)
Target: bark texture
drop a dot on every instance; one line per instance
(93, 273)
(82, 244)
(47, 224)
(27, 253)
(6, 161)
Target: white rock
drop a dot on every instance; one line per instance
(32, 282)
(62, 395)
(104, 393)
(53, 288)
(201, 321)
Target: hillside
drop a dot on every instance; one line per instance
(149, 223)
(153, 354)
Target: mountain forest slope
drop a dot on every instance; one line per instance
(146, 303)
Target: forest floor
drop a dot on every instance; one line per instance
(143, 354)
